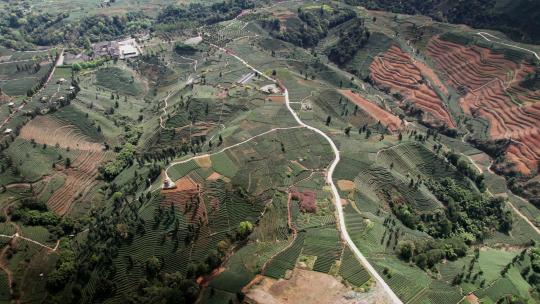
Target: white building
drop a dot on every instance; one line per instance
(128, 49)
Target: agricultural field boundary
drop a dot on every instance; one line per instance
(230, 147)
(58, 63)
(17, 236)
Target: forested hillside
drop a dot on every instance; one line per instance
(518, 19)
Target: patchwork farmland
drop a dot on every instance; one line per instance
(491, 83)
(253, 152)
(395, 70)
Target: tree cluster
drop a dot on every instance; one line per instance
(513, 18)
(310, 27)
(352, 39)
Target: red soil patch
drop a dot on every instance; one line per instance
(472, 299)
(205, 280)
(307, 200)
(490, 85)
(182, 185)
(188, 196)
(277, 98)
(428, 72)
(525, 153)
(468, 67)
(392, 122)
(80, 180)
(396, 71)
(214, 176)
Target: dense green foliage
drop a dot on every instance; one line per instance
(184, 49)
(350, 41)
(532, 81)
(174, 16)
(310, 26)
(472, 216)
(518, 19)
(65, 268)
(467, 170)
(427, 253)
(125, 156)
(468, 218)
(123, 159)
(92, 64)
(22, 30)
(167, 288)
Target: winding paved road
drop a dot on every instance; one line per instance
(337, 199)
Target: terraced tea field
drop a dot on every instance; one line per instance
(257, 152)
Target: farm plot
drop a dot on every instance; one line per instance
(396, 71)
(35, 161)
(71, 115)
(379, 186)
(377, 44)
(490, 83)
(244, 265)
(351, 270)
(324, 245)
(118, 80)
(285, 260)
(184, 225)
(80, 180)
(20, 72)
(48, 130)
(415, 159)
(407, 282)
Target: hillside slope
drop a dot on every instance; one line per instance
(518, 19)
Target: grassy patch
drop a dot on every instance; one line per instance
(118, 80)
(223, 165)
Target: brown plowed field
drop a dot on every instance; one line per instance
(396, 70)
(392, 122)
(469, 67)
(80, 179)
(47, 130)
(491, 89)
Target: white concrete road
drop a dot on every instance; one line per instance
(486, 35)
(392, 297)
